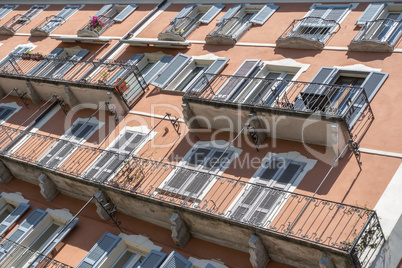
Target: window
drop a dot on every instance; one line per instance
(7, 110)
(108, 15)
(259, 83)
(56, 21)
(195, 173)
(119, 251)
(264, 196)
(41, 231)
(176, 260)
(80, 131)
(337, 90)
(56, 69)
(128, 142)
(184, 73)
(19, 21)
(4, 10)
(382, 28)
(314, 30)
(5, 64)
(237, 20)
(12, 207)
(188, 19)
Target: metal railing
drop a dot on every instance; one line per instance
(44, 27)
(311, 28)
(180, 26)
(346, 102)
(326, 223)
(382, 31)
(230, 27)
(16, 23)
(17, 252)
(107, 22)
(109, 75)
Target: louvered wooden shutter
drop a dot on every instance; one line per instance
(211, 13)
(264, 14)
(125, 13)
(171, 70)
(371, 13)
(230, 13)
(13, 217)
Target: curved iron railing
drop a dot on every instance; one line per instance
(230, 27)
(382, 31)
(45, 25)
(107, 22)
(16, 22)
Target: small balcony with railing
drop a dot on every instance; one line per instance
(53, 74)
(14, 24)
(377, 36)
(308, 33)
(95, 26)
(298, 111)
(178, 29)
(287, 222)
(228, 32)
(47, 25)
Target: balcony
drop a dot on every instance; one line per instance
(294, 223)
(15, 249)
(14, 24)
(377, 36)
(179, 29)
(291, 110)
(308, 33)
(228, 32)
(93, 30)
(53, 74)
(46, 26)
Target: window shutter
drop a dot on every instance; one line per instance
(220, 156)
(230, 13)
(371, 13)
(32, 12)
(99, 251)
(288, 176)
(153, 259)
(336, 13)
(21, 231)
(197, 184)
(249, 196)
(211, 13)
(98, 165)
(270, 198)
(125, 13)
(122, 73)
(135, 141)
(84, 132)
(317, 11)
(175, 260)
(70, 64)
(61, 155)
(4, 10)
(51, 152)
(184, 12)
(263, 15)
(156, 68)
(238, 78)
(179, 178)
(13, 217)
(198, 156)
(44, 66)
(109, 169)
(58, 237)
(171, 70)
(373, 83)
(325, 76)
(214, 68)
(6, 112)
(103, 10)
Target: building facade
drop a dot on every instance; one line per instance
(200, 134)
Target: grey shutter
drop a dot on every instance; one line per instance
(22, 230)
(100, 251)
(238, 78)
(267, 202)
(13, 217)
(171, 70)
(70, 64)
(61, 155)
(230, 13)
(125, 13)
(373, 83)
(98, 165)
(371, 13)
(51, 152)
(32, 12)
(175, 260)
(4, 10)
(289, 175)
(317, 12)
(249, 196)
(57, 239)
(103, 10)
(153, 259)
(44, 65)
(109, 169)
(336, 13)
(60, 18)
(211, 13)
(84, 131)
(184, 12)
(214, 68)
(180, 176)
(156, 68)
(133, 143)
(198, 156)
(122, 73)
(263, 15)
(197, 184)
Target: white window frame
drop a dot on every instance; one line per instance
(10, 105)
(293, 156)
(218, 145)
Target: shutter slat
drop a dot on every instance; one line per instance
(104, 9)
(373, 83)
(336, 13)
(263, 15)
(198, 183)
(4, 10)
(70, 64)
(230, 13)
(211, 13)
(123, 72)
(175, 260)
(184, 12)
(45, 64)
(371, 13)
(125, 13)
(156, 68)
(51, 152)
(171, 70)
(13, 217)
(153, 259)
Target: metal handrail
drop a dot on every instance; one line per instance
(376, 31)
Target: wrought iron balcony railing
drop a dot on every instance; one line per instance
(14, 24)
(125, 78)
(308, 33)
(18, 252)
(178, 29)
(325, 223)
(46, 26)
(91, 31)
(378, 35)
(229, 31)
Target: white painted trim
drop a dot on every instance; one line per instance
(197, 263)
(382, 153)
(60, 215)
(180, 120)
(14, 198)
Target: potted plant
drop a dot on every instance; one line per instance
(95, 23)
(26, 55)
